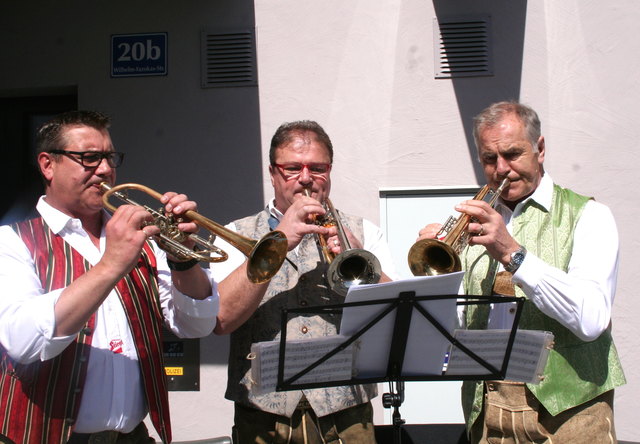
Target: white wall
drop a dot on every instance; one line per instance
(364, 70)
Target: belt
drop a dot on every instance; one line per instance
(104, 437)
(304, 404)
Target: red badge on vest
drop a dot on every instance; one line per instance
(116, 345)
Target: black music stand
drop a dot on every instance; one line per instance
(404, 305)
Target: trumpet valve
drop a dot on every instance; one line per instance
(447, 226)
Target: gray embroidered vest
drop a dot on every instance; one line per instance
(576, 371)
(293, 286)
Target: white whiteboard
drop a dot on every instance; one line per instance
(403, 212)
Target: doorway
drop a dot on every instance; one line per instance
(20, 181)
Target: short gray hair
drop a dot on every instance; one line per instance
(493, 114)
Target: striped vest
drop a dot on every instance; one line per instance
(39, 402)
(576, 371)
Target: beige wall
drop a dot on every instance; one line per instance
(364, 70)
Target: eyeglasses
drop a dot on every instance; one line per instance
(293, 170)
(91, 159)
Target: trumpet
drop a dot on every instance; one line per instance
(354, 266)
(429, 257)
(265, 256)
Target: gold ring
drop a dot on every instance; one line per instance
(481, 230)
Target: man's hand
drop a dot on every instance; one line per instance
(179, 204)
(125, 235)
(429, 232)
(333, 240)
(176, 205)
(488, 229)
(298, 220)
(192, 282)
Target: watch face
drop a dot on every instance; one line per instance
(518, 257)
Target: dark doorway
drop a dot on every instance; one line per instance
(20, 180)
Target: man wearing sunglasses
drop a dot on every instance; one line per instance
(301, 157)
(83, 298)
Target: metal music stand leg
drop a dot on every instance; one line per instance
(394, 399)
(396, 360)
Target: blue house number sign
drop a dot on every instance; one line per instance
(139, 55)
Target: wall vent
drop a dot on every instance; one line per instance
(228, 58)
(462, 47)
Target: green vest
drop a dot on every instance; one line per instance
(576, 371)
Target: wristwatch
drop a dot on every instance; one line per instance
(182, 266)
(516, 259)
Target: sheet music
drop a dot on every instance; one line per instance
(526, 363)
(300, 354)
(426, 347)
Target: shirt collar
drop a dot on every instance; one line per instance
(543, 195)
(273, 211)
(57, 220)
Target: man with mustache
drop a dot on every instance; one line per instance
(301, 159)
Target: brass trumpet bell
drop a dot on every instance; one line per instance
(431, 257)
(354, 266)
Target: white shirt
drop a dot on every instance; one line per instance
(113, 397)
(580, 299)
(374, 242)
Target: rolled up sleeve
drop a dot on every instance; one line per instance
(184, 316)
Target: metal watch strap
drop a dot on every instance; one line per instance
(516, 259)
